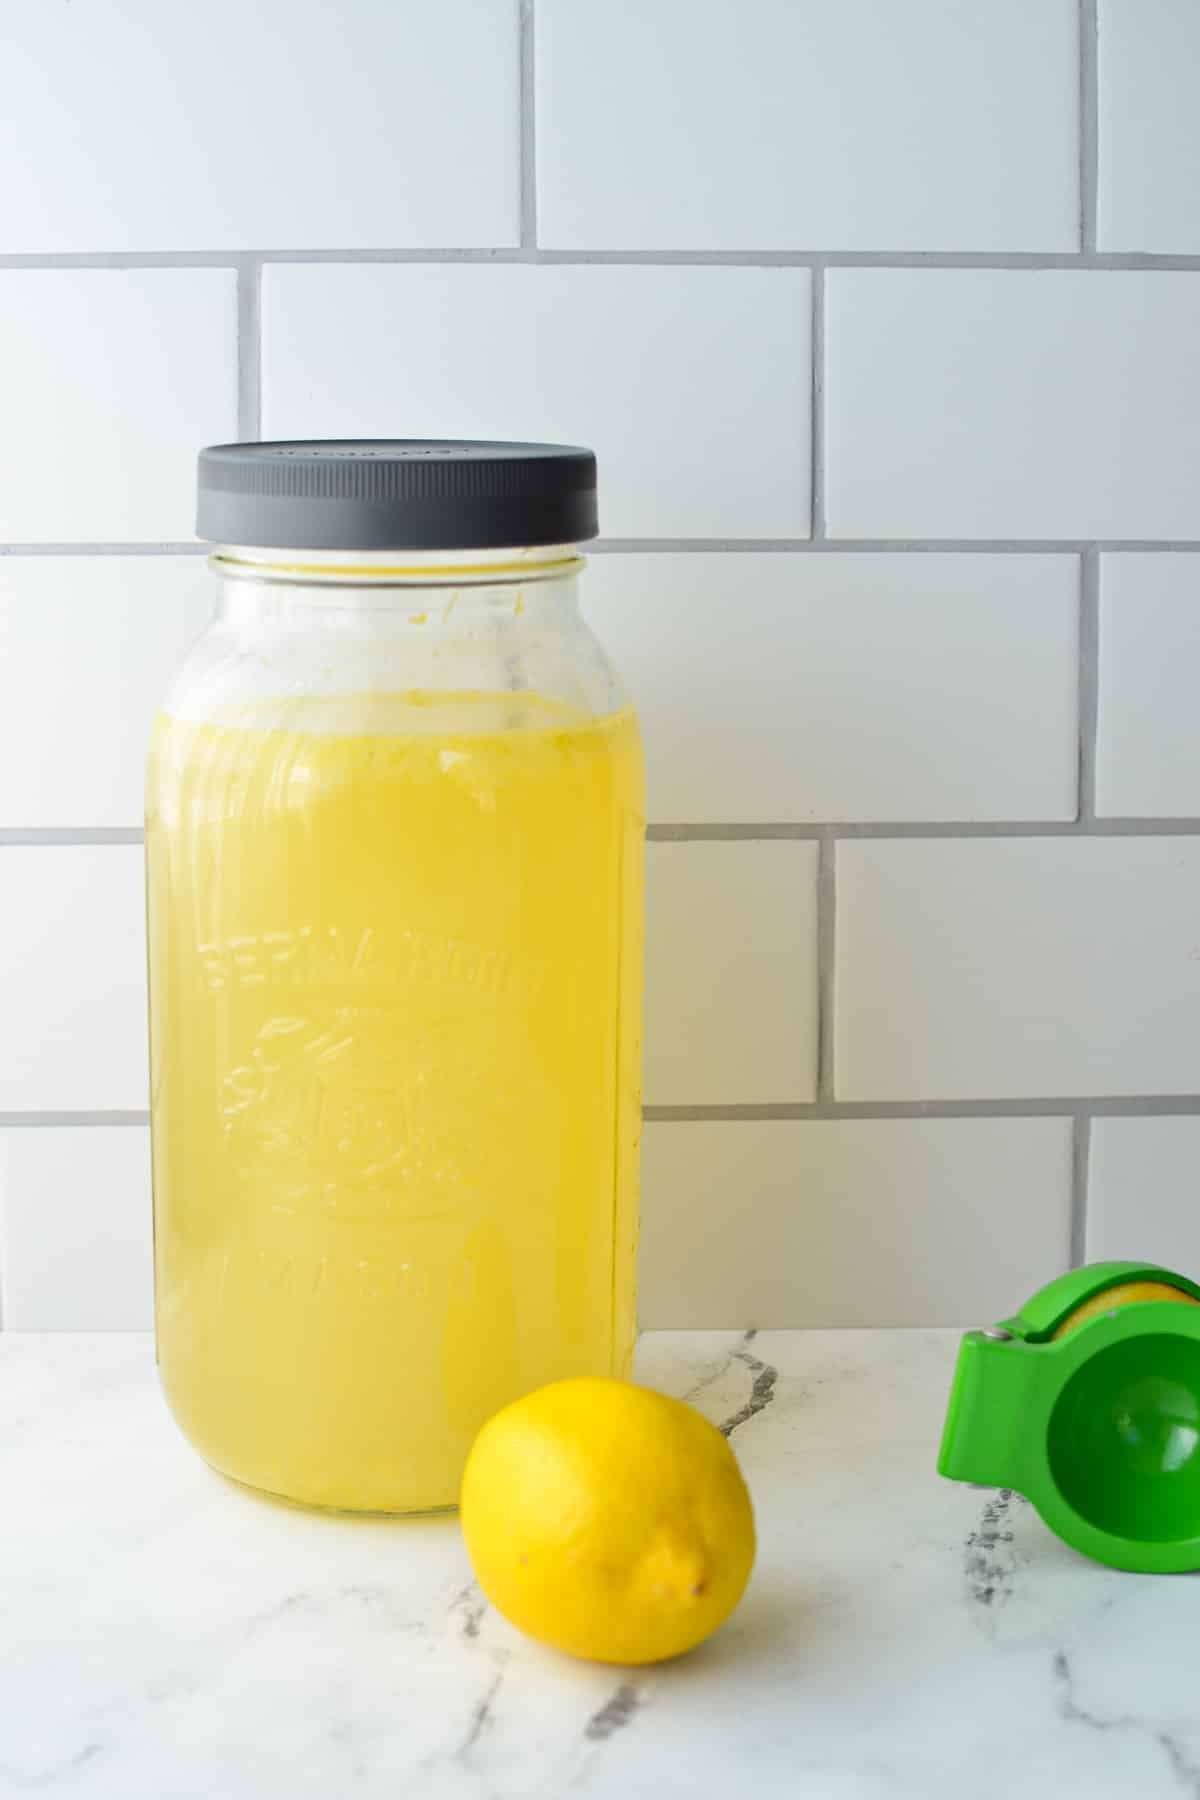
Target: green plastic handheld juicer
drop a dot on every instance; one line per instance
(1098, 1427)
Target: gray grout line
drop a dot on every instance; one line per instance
(1081, 1153)
(847, 830)
(886, 546)
(249, 349)
(120, 259)
(826, 951)
(817, 405)
(730, 546)
(1108, 1106)
(104, 549)
(22, 1121)
(1029, 260)
(233, 257)
(766, 831)
(1089, 682)
(527, 117)
(58, 836)
(700, 259)
(1089, 125)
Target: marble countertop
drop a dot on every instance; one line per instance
(166, 1636)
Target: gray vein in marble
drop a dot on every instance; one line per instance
(29, 1781)
(481, 1716)
(716, 1370)
(178, 1683)
(1182, 1766)
(989, 1559)
(616, 1713)
(762, 1390)
(374, 1598)
(470, 1604)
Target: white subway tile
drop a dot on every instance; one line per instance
(285, 124)
(863, 125)
(990, 403)
(87, 648)
(72, 978)
(1149, 62)
(75, 1229)
(112, 379)
(1010, 968)
(731, 979)
(880, 687)
(851, 1222)
(1148, 747)
(692, 384)
(1143, 1192)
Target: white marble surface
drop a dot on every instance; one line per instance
(165, 1636)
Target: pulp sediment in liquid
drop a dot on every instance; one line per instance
(395, 944)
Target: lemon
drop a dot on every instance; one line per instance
(1127, 1293)
(607, 1520)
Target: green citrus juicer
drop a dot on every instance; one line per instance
(1099, 1427)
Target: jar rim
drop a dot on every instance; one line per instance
(505, 565)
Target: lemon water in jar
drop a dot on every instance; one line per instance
(394, 844)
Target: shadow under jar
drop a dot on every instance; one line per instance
(394, 843)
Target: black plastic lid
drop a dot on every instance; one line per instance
(395, 494)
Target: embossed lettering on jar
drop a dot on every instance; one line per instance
(394, 846)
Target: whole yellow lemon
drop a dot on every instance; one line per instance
(607, 1520)
(1127, 1293)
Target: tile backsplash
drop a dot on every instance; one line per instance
(883, 319)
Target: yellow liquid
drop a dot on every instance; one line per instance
(395, 950)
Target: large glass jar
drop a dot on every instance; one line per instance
(394, 845)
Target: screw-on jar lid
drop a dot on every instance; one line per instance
(396, 494)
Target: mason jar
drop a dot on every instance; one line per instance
(394, 856)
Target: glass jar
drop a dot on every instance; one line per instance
(394, 847)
